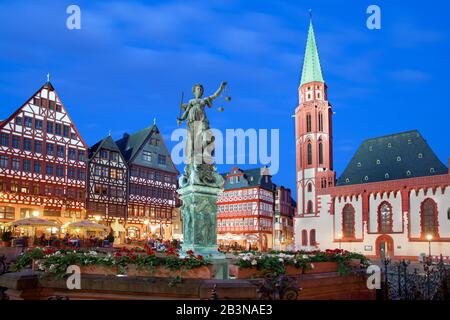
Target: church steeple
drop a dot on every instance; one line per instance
(312, 71)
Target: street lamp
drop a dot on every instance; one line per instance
(97, 218)
(35, 213)
(429, 238)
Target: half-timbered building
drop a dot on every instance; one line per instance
(152, 183)
(107, 189)
(42, 161)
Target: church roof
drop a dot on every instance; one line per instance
(312, 71)
(396, 156)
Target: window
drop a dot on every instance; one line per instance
(27, 144)
(154, 142)
(378, 161)
(58, 108)
(385, 218)
(408, 173)
(348, 221)
(66, 132)
(7, 213)
(309, 187)
(429, 218)
(58, 129)
(72, 153)
(104, 154)
(399, 159)
(51, 105)
(28, 122)
(50, 149)
(312, 237)
(60, 171)
(18, 121)
(37, 167)
(432, 170)
(60, 151)
(52, 213)
(15, 164)
(71, 173)
(309, 207)
(114, 156)
(50, 127)
(309, 154)
(386, 176)
(304, 237)
(16, 142)
(4, 140)
(38, 124)
(448, 214)
(26, 165)
(3, 161)
(81, 155)
(161, 159)
(320, 122)
(147, 156)
(320, 153)
(389, 145)
(308, 123)
(49, 169)
(420, 156)
(37, 146)
(81, 174)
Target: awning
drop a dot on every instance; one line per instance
(33, 222)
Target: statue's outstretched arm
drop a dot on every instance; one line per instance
(218, 92)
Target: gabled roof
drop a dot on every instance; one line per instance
(396, 156)
(312, 71)
(130, 144)
(252, 178)
(105, 143)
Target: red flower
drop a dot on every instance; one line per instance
(117, 255)
(150, 251)
(200, 257)
(190, 252)
(133, 257)
(171, 251)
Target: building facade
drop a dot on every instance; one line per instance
(152, 183)
(283, 224)
(246, 209)
(393, 199)
(42, 161)
(107, 183)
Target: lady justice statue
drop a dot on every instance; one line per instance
(200, 183)
(199, 148)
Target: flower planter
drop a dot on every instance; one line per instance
(322, 267)
(99, 270)
(293, 271)
(244, 273)
(203, 272)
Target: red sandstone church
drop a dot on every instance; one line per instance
(393, 199)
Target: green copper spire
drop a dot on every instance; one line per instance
(312, 72)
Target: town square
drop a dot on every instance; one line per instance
(222, 151)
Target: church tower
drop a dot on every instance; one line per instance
(313, 132)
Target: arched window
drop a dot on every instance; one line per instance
(320, 153)
(348, 221)
(309, 207)
(429, 218)
(385, 217)
(304, 238)
(309, 187)
(308, 123)
(309, 153)
(312, 237)
(320, 122)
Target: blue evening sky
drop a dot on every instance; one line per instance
(131, 59)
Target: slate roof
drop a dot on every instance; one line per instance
(130, 144)
(106, 143)
(252, 178)
(392, 157)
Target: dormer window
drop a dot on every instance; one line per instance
(370, 148)
(389, 145)
(420, 156)
(409, 141)
(399, 158)
(408, 173)
(432, 170)
(347, 180)
(386, 176)
(359, 164)
(378, 161)
(366, 178)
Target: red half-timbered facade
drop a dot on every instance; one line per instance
(42, 161)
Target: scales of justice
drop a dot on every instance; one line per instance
(200, 183)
